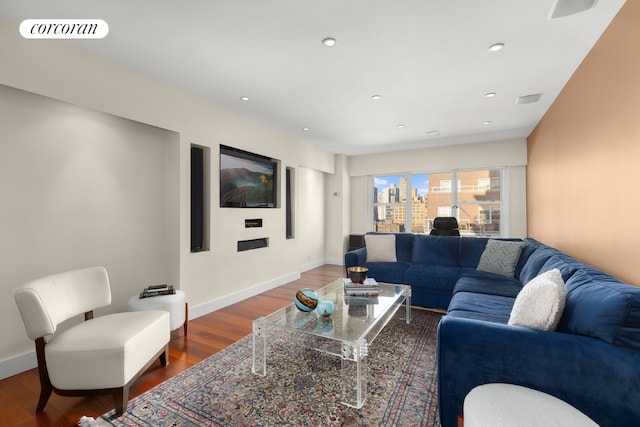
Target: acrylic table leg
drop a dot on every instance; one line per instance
(259, 365)
(354, 373)
(407, 301)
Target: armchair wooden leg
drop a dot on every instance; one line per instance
(45, 393)
(164, 356)
(46, 388)
(121, 399)
(186, 317)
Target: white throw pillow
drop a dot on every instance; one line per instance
(380, 247)
(540, 303)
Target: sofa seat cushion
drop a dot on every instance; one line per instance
(432, 276)
(599, 306)
(83, 357)
(480, 282)
(494, 308)
(390, 272)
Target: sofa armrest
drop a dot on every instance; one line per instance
(355, 258)
(599, 379)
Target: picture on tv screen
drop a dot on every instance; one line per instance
(247, 180)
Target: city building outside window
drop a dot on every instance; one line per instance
(408, 203)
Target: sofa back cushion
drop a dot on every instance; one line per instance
(471, 249)
(599, 306)
(436, 250)
(533, 266)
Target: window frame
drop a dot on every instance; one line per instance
(454, 189)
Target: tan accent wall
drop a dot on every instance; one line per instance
(583, 192)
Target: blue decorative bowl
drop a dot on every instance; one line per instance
(306, 299)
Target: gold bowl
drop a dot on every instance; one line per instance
(358, 274)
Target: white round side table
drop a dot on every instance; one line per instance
(507, 405)
(176, 304)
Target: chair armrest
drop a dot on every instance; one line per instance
(599, 379)
(355, 258)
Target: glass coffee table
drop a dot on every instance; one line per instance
(347, 333)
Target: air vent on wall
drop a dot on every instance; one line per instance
(562, 8)
(528, 99)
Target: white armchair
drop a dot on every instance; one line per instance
(102, 355)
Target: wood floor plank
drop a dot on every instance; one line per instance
(207, 335)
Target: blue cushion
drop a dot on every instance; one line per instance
(471, 250)
(564, 263)
(529, 247)
(536, 260)
(487, 283)
(436, 250)
(480, 306)
(390, 272)
(602, 308)
(404, 246)
(432, 276)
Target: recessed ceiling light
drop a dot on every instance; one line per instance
(489, 95)
(305, 129)
(376, 97)
(400, 126)
(329, 41)
(245, 98)
(486, 122)
(496, 47)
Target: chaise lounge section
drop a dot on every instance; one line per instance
(588, 356)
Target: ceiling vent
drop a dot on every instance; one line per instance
(562, 8)
(528, 99)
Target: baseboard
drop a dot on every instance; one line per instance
(217, 304)
(18, 364)
(334, 261)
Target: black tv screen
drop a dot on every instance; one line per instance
(247, 180)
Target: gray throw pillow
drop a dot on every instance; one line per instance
(500, 257)
(380, 247)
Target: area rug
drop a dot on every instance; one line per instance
(301, 387)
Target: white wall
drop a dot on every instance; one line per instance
(512, 154)
(80, 188)
(338, 199)
(210, 279)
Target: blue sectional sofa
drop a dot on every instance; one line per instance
(591, 361)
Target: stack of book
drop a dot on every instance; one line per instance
(361, 293)
(155, 290)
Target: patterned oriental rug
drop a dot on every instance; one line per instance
(301, 387)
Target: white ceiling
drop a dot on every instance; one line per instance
(428, 59)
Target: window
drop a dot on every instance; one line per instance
(409, 203)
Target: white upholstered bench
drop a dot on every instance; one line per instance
(508, 405)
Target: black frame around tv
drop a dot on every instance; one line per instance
(247, 180)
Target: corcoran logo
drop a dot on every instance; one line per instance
(64, 29)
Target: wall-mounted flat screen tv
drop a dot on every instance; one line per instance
(247, 180)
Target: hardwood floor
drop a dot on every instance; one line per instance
(206, 335)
